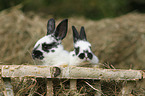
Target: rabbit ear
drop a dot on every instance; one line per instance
(76, 36)
(50, 26)
(83, 34)
(61, 29)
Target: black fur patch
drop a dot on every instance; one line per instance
(52, 50)
(86, 51)
(77, 50)
(82, 56)
(46, 47)
(37, 54)
(90, 56)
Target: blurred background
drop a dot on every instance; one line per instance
(91, 9)
(115, 28)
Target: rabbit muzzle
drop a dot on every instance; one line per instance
(86, 56)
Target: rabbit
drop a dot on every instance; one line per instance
(82, 54)
(49, 50)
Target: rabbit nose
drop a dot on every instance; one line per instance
(37, 54)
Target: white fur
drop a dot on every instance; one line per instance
(84, 45)
(48, 39)
(76, 61)
(57, 58)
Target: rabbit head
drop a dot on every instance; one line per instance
(82, 48)
(48, 48)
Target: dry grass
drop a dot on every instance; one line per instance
(119, 41)
(18, 34)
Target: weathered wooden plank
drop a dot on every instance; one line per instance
(73, 87)
(8, 87)
(100, 74)
(70, 72)
(26, 70)
(73, 84)
(49, 86)
(2, 85)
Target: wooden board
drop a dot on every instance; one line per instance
(70, 72)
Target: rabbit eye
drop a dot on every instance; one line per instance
(90, 56)
(46, 47)
(82, 56)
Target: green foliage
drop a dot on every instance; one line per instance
(93, 9)
(8, 3)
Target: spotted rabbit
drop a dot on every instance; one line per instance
(82, 52)
(49, 49)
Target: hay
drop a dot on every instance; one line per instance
(18, 34)
(119, 41)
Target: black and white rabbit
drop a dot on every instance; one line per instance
(82, 54)
(49, 49)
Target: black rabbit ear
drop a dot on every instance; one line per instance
(61, 29)
(50, 26)
(83, 34)
(76, 36)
